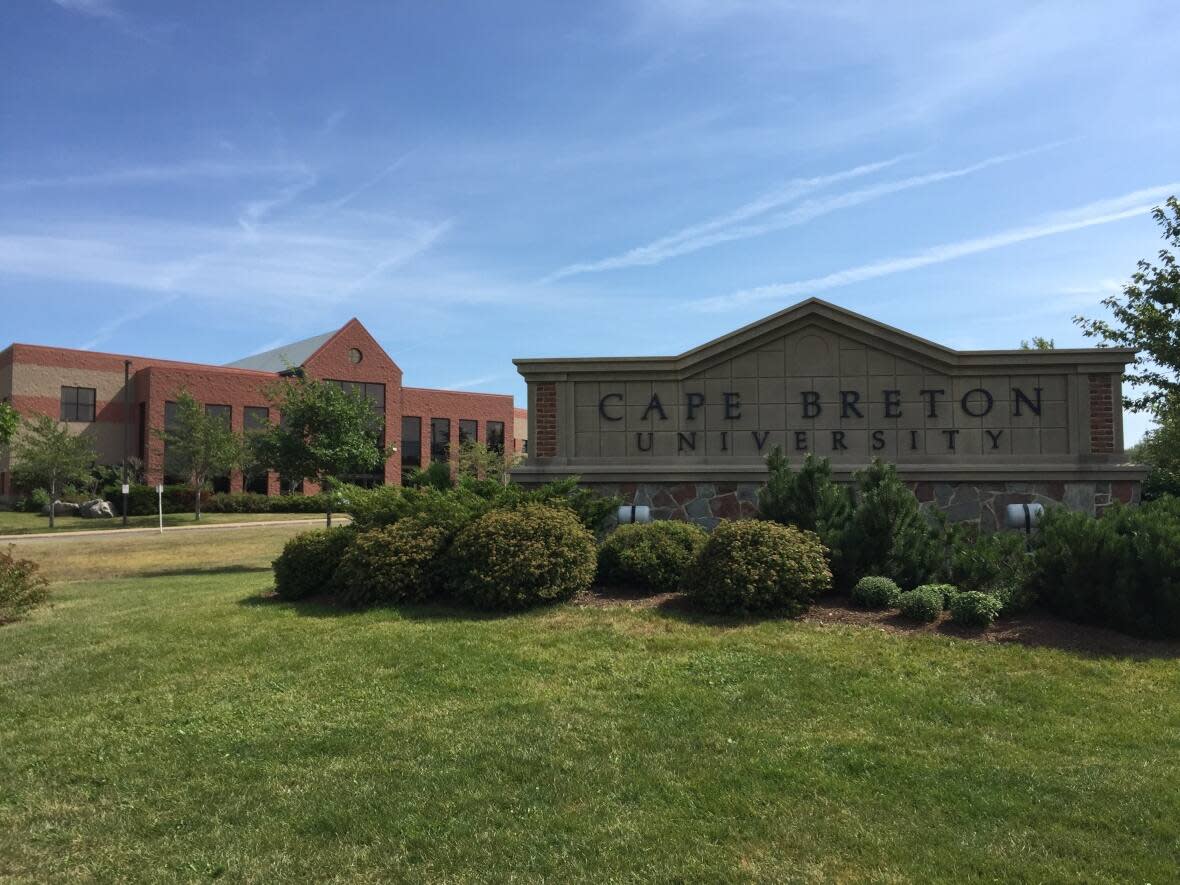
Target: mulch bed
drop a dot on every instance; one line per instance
(1034, 628)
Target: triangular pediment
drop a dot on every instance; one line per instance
(811, 334)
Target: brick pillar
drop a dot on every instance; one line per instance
(1101, 414)
(546, 408)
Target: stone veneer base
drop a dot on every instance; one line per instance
(983, 503)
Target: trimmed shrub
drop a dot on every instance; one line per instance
(511, 559)
(921, 603)
(875, 591)
(1120, 571)
(308, 562)
(946, 592)
(974, 609)
(653, 556)
(21, 586)
(755, 566)
(399, 563)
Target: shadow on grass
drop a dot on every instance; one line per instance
(1036, 629)
(197, 571)
(326, 606)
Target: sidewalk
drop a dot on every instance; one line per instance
(154, 530)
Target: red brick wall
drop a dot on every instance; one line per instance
(155, 382)
(545, 445)
(1101, 414)
(332, 361)
(425, 403)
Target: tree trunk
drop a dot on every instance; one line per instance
(200, 485)
(52, 500)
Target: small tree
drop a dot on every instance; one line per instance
(482, 462)
(1147, 317)
(200, 446)
(324, 433)
(9, 421)
(1038, 343)
(48, 456)
(809, 499)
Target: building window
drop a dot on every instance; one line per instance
(375, 394)
(440, 439)
(496, 436)
(355, 356)
(468, 431)
(411, 442)
(220, 484)
(255, 419)
(77, 404)
(223, 412)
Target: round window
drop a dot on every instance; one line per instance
(355, 356)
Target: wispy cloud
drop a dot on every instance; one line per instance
(106, 330)
(695, 237)
(729, 227)
(93, 8)
(1136, 203)
(468, 383)
(254, 211)
(277, 263)
(162, 174)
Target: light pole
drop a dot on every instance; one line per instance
(126, 433)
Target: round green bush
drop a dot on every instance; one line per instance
(922, 603)
(400, 563)
(511, 559)
(653, 556)
(309, 560)
(974, 608)
(945, 592)
(756, 566)
(874, 591)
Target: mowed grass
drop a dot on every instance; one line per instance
(171, 725)
(33, 523)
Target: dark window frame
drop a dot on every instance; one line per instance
(470, 432)
(495, 441)
(74, 406)
(440, 451)
(411, 447)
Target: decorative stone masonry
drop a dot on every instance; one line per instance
(546, 409)
(984, 504)
(1101, 415)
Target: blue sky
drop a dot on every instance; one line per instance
(480, 181)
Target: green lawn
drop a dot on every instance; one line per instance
(33, 523)
(171, 725)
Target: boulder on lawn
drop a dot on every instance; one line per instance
(60, 508)
(96, 509)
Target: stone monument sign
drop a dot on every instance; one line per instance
(969, 430)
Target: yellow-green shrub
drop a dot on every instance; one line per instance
(753, 566)
(400, 563)
(652, 556)
(510, 559)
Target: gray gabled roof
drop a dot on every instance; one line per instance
(289, 356)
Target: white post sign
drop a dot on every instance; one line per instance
(160, 496)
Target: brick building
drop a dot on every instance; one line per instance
(87, 391)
